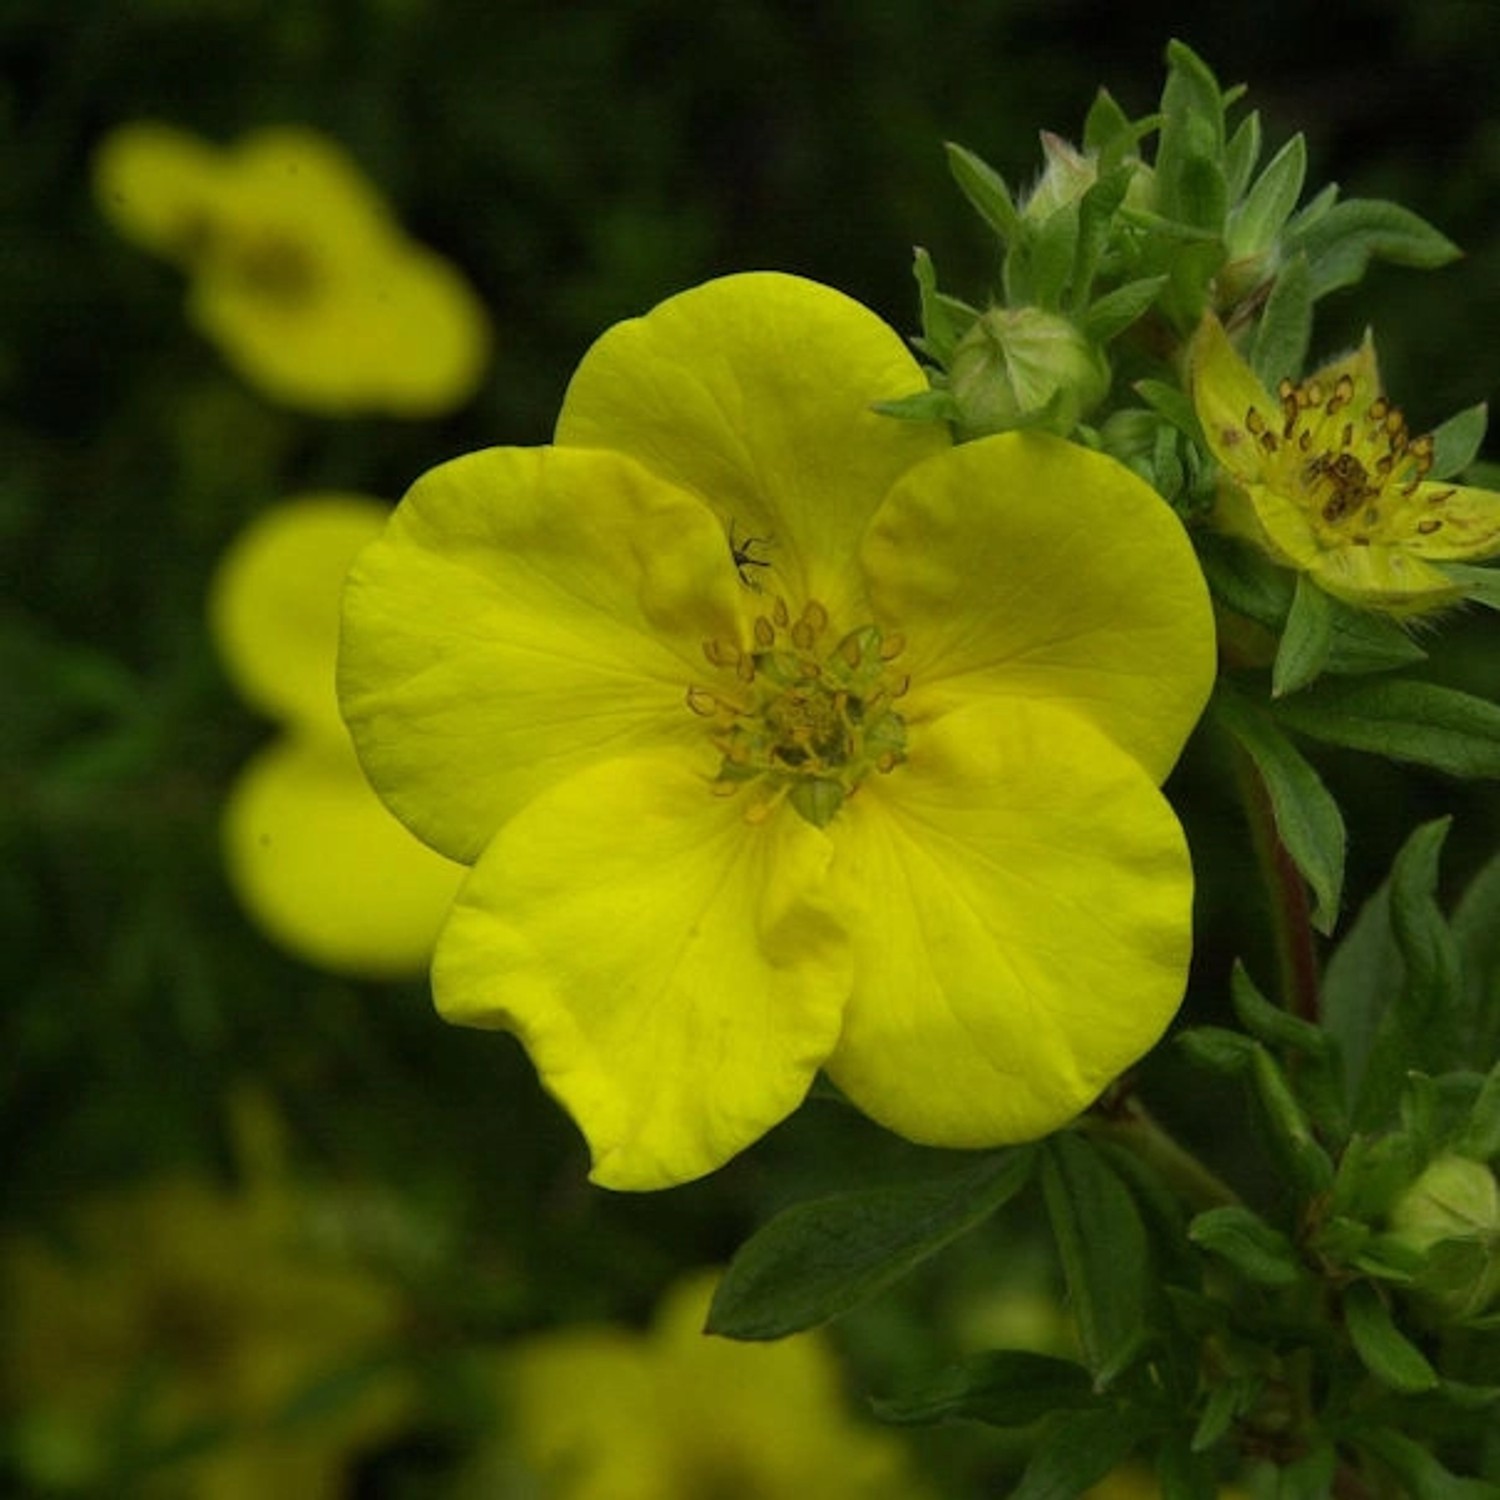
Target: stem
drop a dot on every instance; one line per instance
(1291, 917)
(1128, 1123)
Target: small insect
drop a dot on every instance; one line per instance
(745, 558)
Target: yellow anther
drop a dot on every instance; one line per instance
(779, 613)
(765, 632)
(892, 646)
(702, 702)
(815, 616)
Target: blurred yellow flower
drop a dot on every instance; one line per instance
(1326, 479)
(299, 272)
(317, 861)
(675, 1414)
(161, 1346)
(787, 736)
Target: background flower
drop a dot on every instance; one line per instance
(312, 854)
(299, 272)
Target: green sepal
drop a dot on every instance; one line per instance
(921, 406)
(945, 319)
(1114, 312)
(1341, 242)
(1420, 722)
(1456, 442)
(1079, 1450)
(818, 1259)
(1382, 1348)
(985, 189)
(1101, 1243)
(1001, 1388)
(1254, 224)
(1306, 639)
(1307, 818)
(1258, 1251)
(1482, 585)
(1285, 327)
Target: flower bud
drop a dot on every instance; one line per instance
(1452, 1212)
(1023, 367)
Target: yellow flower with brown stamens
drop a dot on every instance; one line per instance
(1326, 478)
(887, 806)
(300, 274)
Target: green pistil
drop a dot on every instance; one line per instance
(801, 720)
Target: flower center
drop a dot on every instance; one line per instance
(1349, 469)
(802, 715)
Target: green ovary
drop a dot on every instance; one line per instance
(801, 720)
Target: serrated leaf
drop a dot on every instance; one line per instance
(1306, 639)
(1002, 1388)
(1455, 443)
(985, 189)
(1383, 1349)
(1420, 722)
(1307, 818)
(1102, 1245)
(819, 1259)
(1258, 1251)
(1114, 312)
(1078, 1451)
(1285, 327)
(1341, 242)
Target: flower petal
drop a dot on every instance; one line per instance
(1225, 390)
(326, 870)
(754, 392)
(1386, 578)
(527, 613)
(1447, 522)
(153, 181)
(1021, 566)
(1019, 897)
(273, 606)
(669, 967)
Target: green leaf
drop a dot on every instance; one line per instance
(1173, 404)
(1362, 978)
(1255, 223)
(1482, 585)
(944, 319)
(1050, 256)
(1108, 131)
(1310, 1476)
(1257, 1250)
(1096, 213)
(1306, 640)
(1190, 184)
(1291, 1131)
(819, 1259)
(1183, 1473)
(1241, 155)
(1455, 443)
(1373, 1171)
(1218, 1048)
(1285, 328)
(1102, 1245)
(1341, 242)
(1476, 930)
(1002, 1387)
(985, 188)
(1421, 722)
(1308, 820)
(1365, 642)
(1270, 1023)
(1114, 312)
(1481, 1137)
(1078, 1451)
(920, 406)
(1245, 579)
(1423, 1477)
(1383, 1349)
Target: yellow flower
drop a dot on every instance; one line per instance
(674, 1414)
(313, 856)
(788, 736)
(299, 272)
(1325, 478)
(184, 1318)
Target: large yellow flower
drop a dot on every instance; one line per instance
(788, 736)
(299, 272)
(313, 856)
(1326, 478)
(674, 1414)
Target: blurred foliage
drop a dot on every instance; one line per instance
(578, 163)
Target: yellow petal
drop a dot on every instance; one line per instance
(528, 612)
(1225, 391)
(1285, 528)
(670, 968)
(326, 871)
(1385, 578)
(154, 183)
(1019, 897)
(1362, 368)
(1446, 522)
(273, 605)
(754, 392)
(1023, 567)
